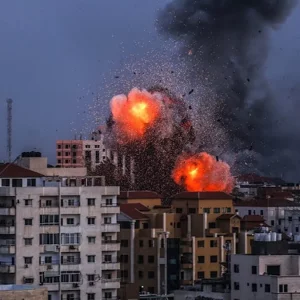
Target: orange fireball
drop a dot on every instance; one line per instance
(202, 172)
(135, 113)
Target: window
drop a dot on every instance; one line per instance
(213, 274)
(70, 276)
(201, 244)
(27, 241)
(91, 296)
(140, 259)
(28, 260)
(48, 259)
(179, 210)
(267, 288)
(254, 287)
(17, 183)
(283, 288)
(249, 212)
(49, 239)
(150, 243)
(58, 146)
(124, 243)
(200, 275)
(217, 210)
(107, 258)
(31, 182)
(108, 202)
(290, 219)
(236, 286)
(5, 182)
(211, 225)
(201, 259)
(87, 146)
(70, 221)
(192, 210)
(297, 229)
(228, 209)
(236, 268)
(70, 238)
(151, 275)
(48, 203)
(91, 239)
(273, 270)
(107, 220)
(91, 201)
(28, 280)
(97, 157)
(28, 222)
(213, 243)
(91, 220)
(254, 270)
(91, 258)
(261, 212)
(49, 220)
(141, 243)
(141, 274)
(108, 295)
(272, 222)
(213, 258)
(123, 258)
(206, 210)
(150, 259)
(28, 202)
(91, 277)
(124, 274)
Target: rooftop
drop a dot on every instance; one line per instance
(14, 171)
(202, 196)
(134, 210)
(139, 195)
(273, 202)
(227, 216)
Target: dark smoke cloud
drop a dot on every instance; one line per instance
(228, 41)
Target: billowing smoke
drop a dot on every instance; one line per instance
(225, 47)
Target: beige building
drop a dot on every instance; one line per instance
(60, 233)
(23, 292)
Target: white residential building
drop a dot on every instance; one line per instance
(265, 277)
(60, 233)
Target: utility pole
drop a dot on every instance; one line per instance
(9, 128)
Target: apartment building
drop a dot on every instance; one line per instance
(165, 247)
(60, 233)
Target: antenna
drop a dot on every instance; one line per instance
(9, 127)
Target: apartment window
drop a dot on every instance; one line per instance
(91, 201)
(249, 212)
(70, 276)
(28, 202)
(108, 295)
(254, 287)
(108, 202)
(192, 210)
(267, 288)
(91, 277)
(236, 268)
(70, 221)
(211, 225)
(124, 274)
(290, 219)
(48, 203)
(201, 244)
(151, 275)
(201, 259)
(200, 275)
(49, 220)
(140, 259)
(31, 182)
(213, 243)
(48, 259)
(28, 222)
(150, 243)
(254, 270)
(59, 161)
(107, 220)
(70, 238)
(91, 258)
(261, 212)
(5, 182)
(179, 210)
(28, 260)
(91, 296)
(91, 239)
(87, 146)
(217, 210)
(97, 157)
(49, 239)
(123, 258)
(91, 221)
(272, 222)
(141, 274)
(236, 286)
(213, 274)
(67, 146)
(213, 258)
(28, 280)
(283, 288)
(74, 161)
(206, 210)
(58, 146)
(17, 183)
(107, 258)
(273, 270)
(151, 259)
(141, 243)
(151, 289)
(178, 225)
(27, 241)
(124, 243)
(228, 209)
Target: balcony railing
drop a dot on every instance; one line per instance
(105, 280)
(104, 204)
(8, 242)
(65, 297)
(53, 262)
(110, 242)
(76, 261)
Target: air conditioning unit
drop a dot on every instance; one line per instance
(91, 283)
(72, 247)
(49, 267)
(26, 266)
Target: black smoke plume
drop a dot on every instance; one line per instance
(227, 42)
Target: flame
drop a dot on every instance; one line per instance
(202, 172)
(135, 113)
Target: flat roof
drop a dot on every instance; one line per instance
(17, 287)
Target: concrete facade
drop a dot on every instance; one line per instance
(61, 234)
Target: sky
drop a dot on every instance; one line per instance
(54, 55)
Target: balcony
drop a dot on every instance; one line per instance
(110, 208)
(53, 267)
(110, 265)
(74, 297)
(7, 211)
(114, 227)
(11, 249)
(7, 268)
(113, 283)
(75, 261)
(110, 245)
(70, 248)
(8, 229)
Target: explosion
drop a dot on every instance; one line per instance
(135, 114)
(202, 172)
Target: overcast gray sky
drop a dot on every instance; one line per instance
(53, 52)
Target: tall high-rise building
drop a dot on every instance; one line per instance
(59, 232)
